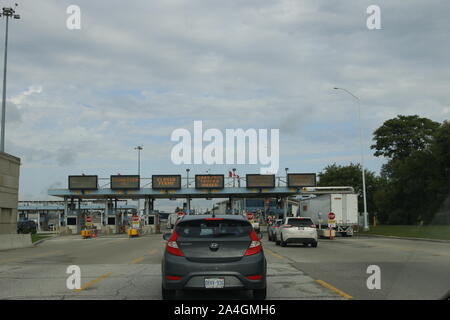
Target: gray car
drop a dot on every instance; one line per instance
(211, 252)
(271, 229)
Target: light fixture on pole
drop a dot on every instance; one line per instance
(8, 13)
(366, 225)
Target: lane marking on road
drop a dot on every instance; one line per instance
(274, 254)
(329, 286)
(137, 260)
(92, 282)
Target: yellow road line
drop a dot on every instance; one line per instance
(274, 254)
(329, 286)
(137, 260)
(92, 282)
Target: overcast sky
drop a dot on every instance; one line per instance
(79, 101)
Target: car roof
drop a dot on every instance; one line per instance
(299, 218)
(206, 216)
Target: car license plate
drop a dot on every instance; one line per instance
(214, 283)
(301, 228)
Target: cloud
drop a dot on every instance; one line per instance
(80, 100)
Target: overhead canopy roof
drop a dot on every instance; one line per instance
(61, 207)
(183, 193)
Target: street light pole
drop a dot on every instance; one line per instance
(6, 12)
(187, 177)
(234, 177)
(286, 169)
(139, 148)
(366, 225)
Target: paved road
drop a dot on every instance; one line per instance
(409, 269)
(116, 267)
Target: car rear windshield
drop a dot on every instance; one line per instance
(204, 228)
(300, 222)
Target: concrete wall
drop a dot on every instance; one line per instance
(14, 241)
(9, 193)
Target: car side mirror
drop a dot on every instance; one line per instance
(167, 235)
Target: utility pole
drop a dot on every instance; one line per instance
(366, 222)
(8, 13)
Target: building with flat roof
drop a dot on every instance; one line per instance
(9, 192)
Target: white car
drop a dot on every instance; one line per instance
(272, 228)
(296, 230)
(172, 220)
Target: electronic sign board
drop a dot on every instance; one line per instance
(300, 180)
(209, 181)
(83, 182)
(260, 181)
(166, 181)
(125, 182)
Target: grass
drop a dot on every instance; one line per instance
(430, 232)
(36, 237)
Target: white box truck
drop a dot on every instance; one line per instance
(344, 206)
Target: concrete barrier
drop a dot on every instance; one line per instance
(151, 229)
(15, 241)
(148, 229)
(64, 231)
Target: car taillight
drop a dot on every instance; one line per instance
(313, 226)
(173, 277)
(255, 246)
(287, 226)
(255, 277)
(172, 246)
(276, 227)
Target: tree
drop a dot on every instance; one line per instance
(398, 138)
(415, 181)
(440, 184)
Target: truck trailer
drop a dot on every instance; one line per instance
(344, 206)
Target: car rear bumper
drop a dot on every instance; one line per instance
(193, 274)
(298, 236)
(301, 240)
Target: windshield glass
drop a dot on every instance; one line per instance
(213, 228)
(300, 222)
